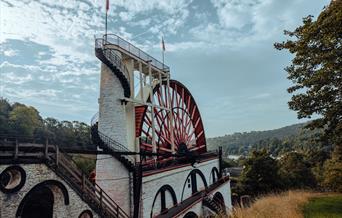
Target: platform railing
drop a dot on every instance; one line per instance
(11, 149)
(112, 56)
(133, 50)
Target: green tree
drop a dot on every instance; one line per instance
(333, 173)
(260, 174)
(24, 120)
(316, 71)
(5, 108)
(295, 171)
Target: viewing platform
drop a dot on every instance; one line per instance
(128, 52)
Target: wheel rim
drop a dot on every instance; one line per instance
(188, 127)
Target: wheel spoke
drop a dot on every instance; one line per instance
(187, 124)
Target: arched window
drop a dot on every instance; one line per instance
(38, 202)
(86, 214)
(214, 175)
(12, 179)
(194, 182)
(163, 200)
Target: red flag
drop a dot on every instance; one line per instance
(107, 5)
(163, 44)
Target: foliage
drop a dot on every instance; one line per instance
(295, 171)
(5, 109)
(277, 142)
(321, 207)
(86, 163)
(333, 174)
(316, 71)
(21, 120)
(260, 174)
(229, 163)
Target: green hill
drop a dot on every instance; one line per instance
(280, 140)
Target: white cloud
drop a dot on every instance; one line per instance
(10, 77)
(10, 52)
(235, 13)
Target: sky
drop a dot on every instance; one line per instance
(221, 50)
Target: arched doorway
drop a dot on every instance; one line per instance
(39, 201)
(219, 200)
(190, 215)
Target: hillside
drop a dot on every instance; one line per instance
(277, 140)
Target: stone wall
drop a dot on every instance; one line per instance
(112, 116)
(36, 174)
(113, 177)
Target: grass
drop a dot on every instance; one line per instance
(293, 204)
(324, 207)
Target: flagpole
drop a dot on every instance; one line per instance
(163, 58)
(107, 8)
(163, 51)
(106, 23)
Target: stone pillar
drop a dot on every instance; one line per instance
(112, 115)
(111, 175)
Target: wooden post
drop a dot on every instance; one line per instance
(154, 146)
(57, 155)
(170, 115)
(220, 161)
(46, 152)
(16, 149)
(101, 198)
(83, 184)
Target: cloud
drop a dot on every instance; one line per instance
(48, 46)
(235, 13)
(260, 96)
(10, 52)
(10, 77)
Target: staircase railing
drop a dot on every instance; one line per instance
(110, 54)
(115, 146)
(94, 119)
(66, 168)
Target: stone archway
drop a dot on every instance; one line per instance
(167, 198)
(192, 182)
(39, 201)
(214, 175)
(219, 200)
(190, 215)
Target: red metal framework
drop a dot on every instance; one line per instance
(187, 123)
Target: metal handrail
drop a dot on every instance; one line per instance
(115, 146)
(127, 46)
(112, 57)
(94, 119)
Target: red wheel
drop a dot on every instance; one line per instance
(188, 127)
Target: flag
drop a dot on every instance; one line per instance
(107, 5)
(163, 44)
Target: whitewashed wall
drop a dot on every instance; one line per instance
(177, 179)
